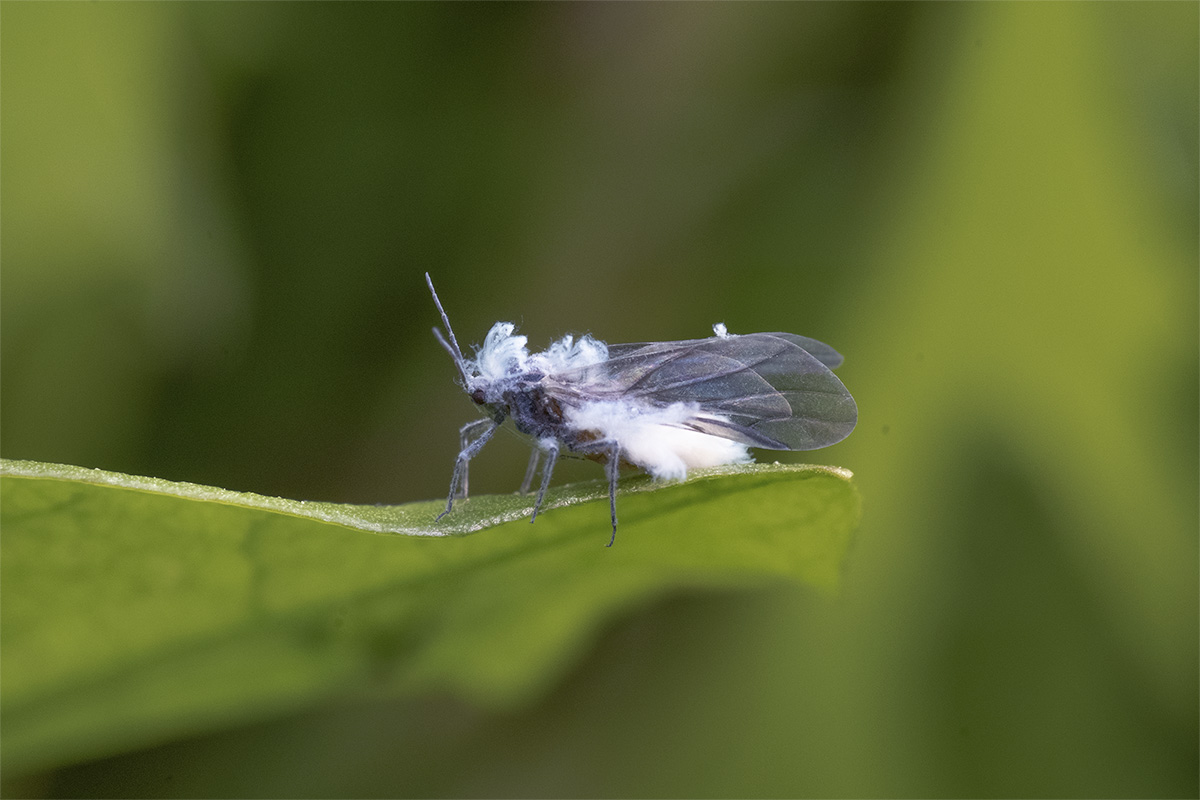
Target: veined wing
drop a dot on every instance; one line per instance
(763, 389)
(818, 350)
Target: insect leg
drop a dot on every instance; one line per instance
(614, 469)
(464, 435)
(469, 451)
(531, 469)
(547, 469)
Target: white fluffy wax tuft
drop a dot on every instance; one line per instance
(569, 353)
(652, 438)
(502, 355)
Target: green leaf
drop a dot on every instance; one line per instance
(136, 610)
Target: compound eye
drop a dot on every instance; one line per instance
(478, 397)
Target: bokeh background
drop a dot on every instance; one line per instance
(216, 218)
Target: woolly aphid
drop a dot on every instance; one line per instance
(664, 407)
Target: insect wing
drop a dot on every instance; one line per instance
(763, 389)
(818, 350)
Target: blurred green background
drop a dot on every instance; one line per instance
(215, 221)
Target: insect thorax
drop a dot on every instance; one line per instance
(533, 411)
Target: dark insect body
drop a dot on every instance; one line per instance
(664, 407)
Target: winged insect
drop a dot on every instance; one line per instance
(663, 407)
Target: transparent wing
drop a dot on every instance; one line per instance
(764, 389)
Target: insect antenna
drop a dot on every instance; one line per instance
(452, 345)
